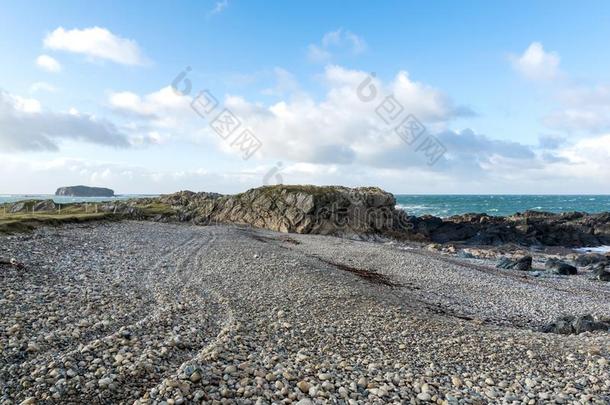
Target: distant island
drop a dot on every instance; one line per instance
(84, 191)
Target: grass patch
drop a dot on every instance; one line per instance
(156, 208)
(27, 220)
(18, 223)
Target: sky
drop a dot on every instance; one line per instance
(415, 97)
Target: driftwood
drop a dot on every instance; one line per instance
(12, 262)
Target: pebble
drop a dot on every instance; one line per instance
(303, 386)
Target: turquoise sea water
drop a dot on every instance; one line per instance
(438, 205)
(447, 205)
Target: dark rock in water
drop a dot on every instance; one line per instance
(574, 325)
(84, 191)
(556, 266)
(523, 263)
(589, 259)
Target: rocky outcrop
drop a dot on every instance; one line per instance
(370, 210)
(300, 209)
(31, 206)
(84, 191)
(530, 228)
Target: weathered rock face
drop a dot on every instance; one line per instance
(84, 191)
(370, 210)
(300, 209)
(46, 205)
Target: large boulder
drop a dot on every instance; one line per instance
(590, 259)
(521, 263)
(557, 266)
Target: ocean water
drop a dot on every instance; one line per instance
(4, 198)
(448, 205)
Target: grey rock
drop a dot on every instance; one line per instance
(522, 263)
(574, 325)
(45, 205)
(590, 259)
(557, 266)
(603, 276)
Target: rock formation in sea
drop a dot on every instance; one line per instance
(84, 191)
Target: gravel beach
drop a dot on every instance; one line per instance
(143, 312)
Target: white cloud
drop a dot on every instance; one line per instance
(46, 175)
(537, 64)
(25, 126)
(316, 54)
(580, 109)
(42, 86)
(162, 109)
(219, 7)
(340, 128)
(285, 83)
(96, 43)
(583, 109)
(337, 41)
(340, 139)
(48, 63)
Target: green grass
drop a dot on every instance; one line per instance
(17, 223)
(70, 213)
(156, 208)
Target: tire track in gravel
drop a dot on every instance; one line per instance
(161, 355)
(199, 282)
(47, 360)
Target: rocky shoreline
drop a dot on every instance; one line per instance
(369, 213)
(355, 212)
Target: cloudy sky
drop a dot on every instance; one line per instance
(415, 97)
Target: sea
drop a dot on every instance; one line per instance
(437, 205)
(499, 205)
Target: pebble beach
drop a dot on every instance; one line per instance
(149, 313)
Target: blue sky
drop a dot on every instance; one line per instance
(517, 95)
